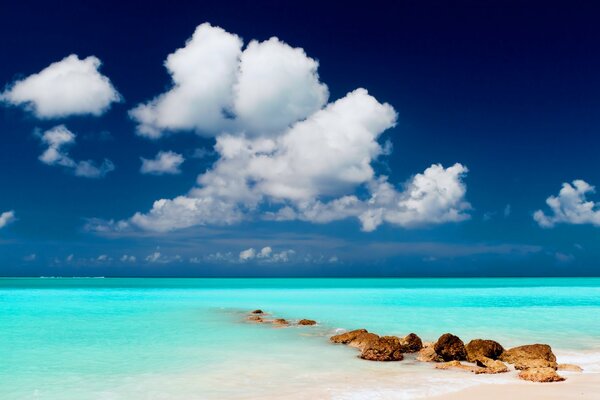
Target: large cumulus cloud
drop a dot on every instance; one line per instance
(284, 151)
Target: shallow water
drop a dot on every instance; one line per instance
(186, 339)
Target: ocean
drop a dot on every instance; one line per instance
(140, 338)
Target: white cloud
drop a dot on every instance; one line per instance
(154, 257)
(68, 87)
(247, 254)
(280, 146)
(218, 87)
(128, 258)
(570, 206)
(165, 162)
(56, 140)
(103, 258)
(6, 218)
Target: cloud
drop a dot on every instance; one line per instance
(6, 218)
(128, 258)
(218, 87)
(266, 254)
(165, 162)
(247, 254)
(30, 257)
(56, 140)
(283, 152)
(570, 206)
(68, 87)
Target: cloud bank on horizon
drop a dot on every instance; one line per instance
(281, 144)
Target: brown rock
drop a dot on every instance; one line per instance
(530, 356)
(255, 318)
(455, 364)
(411, 343)
(478, 348)
(363, 340)
(307, 322)
(385, 348)
(280, 321)
(428, 354)
(450, 347)
(257, 312)
(543, 374)
(569, 367)
(491, 366)
(347, 337)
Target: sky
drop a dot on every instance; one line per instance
(266, 138)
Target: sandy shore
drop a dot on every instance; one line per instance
(577, 386)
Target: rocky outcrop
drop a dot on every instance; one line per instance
(307, 322)
(530, 356)
(363, 340)
(569, 367)
(450, 348)
(479, 349)
(255, 318)
(257, 312)
(347, 337)
(542, 374)
(280, 322)
(411, 343)
(384, 348)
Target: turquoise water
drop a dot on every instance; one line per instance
(187, 339)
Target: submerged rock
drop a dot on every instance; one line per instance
(569, 367)
(542, 374)
(411, 343)
(384, 348)
(307, 322)
(491, 366)
(347, 337)
(428, 354)
(254, 318)
(450, 347)
(280, 322)
(530, 356)
(479, 348)
(455, 364)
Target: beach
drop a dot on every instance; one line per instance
(189, 338)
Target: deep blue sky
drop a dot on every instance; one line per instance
(509, 89)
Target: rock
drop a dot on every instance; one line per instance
(363, 340)
(255, 318)
(455, 364)
(530, 356)
(491, 366)
(280, 322)
(307, 322)
(478, 348)
(411, 343)
(257, 312)
(569, 367)
(428, 354)
(450, 347)
(384, 348)
(543, 374)
(347, 337)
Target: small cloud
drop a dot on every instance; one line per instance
(70, 258)
(570, 206)
(103, 258)
(165, 162)
(6, 218)
(507, 211)
(127, 258)
(30, 257)
(488, 215)
(333, 260)
(202, 152)
(564, 258)
(247, 254)
(154, 257)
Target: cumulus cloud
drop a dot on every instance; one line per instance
(218, 87)
(283, 151)
(266, 254)
(128, 258)
(68, 87)
(165, 162)
(6, 218)
(570, 206)
(57, 140)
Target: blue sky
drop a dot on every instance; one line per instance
(404, 139)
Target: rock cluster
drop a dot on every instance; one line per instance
(535, 362)
(379, 348)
